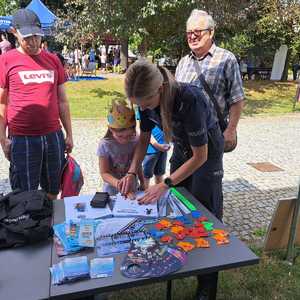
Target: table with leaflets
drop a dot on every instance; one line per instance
(25, 271)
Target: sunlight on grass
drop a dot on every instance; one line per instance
(268, 97)
(89, 99)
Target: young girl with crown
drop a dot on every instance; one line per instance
(116, 149)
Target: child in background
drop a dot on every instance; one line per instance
(156, 157)
(155, 160)
(116, 149)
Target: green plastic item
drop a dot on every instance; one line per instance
(208, 226)
(183, 199)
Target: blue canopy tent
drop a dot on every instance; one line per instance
(5, 22)
(46, 17)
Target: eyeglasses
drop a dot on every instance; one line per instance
(196, 33)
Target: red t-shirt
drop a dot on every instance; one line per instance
(32, 83)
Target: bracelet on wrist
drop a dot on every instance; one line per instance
(131, 173)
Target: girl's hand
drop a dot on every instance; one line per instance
(153, 193)
(130, 196)
(127, 184)
(142, 186)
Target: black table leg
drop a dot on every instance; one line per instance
(207, 286)
(214, 287)
(169, 289)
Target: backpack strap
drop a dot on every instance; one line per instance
(212, 98)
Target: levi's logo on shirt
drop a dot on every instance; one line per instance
(37, 76)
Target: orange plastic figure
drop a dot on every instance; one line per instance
(186, 246)
(202, 243)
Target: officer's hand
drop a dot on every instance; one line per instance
(6, 144)
(153, 193)
(69, 144)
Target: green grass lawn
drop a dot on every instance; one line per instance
(269, 97)
(271, 279)
(89, 99)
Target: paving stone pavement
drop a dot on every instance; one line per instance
(250, 196)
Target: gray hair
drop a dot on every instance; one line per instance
(196, 14)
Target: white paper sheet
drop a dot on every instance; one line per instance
(72, 213)
(126, 207)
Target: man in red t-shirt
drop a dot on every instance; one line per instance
(33, 105)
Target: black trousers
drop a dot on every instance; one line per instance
(206, 182)
(206, 185)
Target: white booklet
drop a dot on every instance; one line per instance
(125, 207)
(79, 207)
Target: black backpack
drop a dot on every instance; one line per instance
(25, 218)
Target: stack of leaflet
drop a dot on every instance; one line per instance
(76, 268)
(71, 237)
(70, 269)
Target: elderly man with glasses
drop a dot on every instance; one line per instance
(220, 71)
(217, 71)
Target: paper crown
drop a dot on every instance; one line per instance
(120, 115)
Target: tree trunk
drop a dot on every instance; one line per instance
(124, 53)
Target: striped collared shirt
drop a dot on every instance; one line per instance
(221, 71)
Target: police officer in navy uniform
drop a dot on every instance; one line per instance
(188, 118)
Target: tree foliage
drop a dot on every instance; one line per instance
(156, 25)
(7, 7)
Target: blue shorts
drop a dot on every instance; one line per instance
(154, 164)
(37, 160)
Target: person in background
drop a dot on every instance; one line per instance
(44, 46)
(219, 68)
(85, 60)
(110, 58)
(103, 58)
(155, 159)
(31, 121)
(65, 52)
(295, 68)
(117, 60)
(92, 55)
(243, 68)
(77, 58)
(5, 45)
(116, 149)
